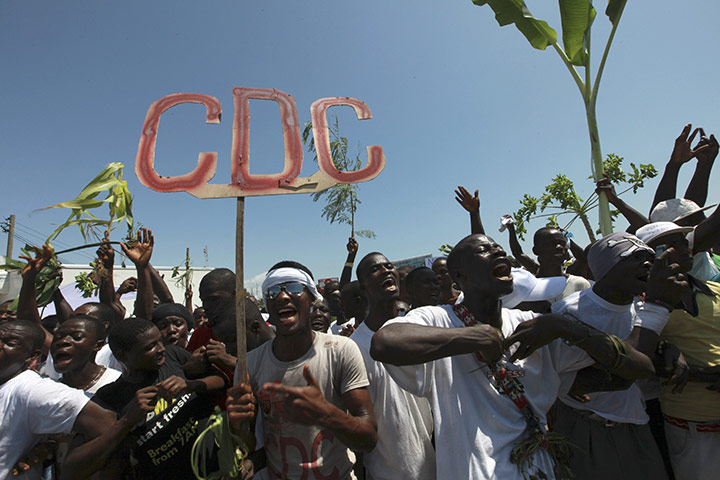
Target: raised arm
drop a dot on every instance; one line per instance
(579, 266)
(681, 154)
(346, 275)
(62, 307)
(159, 286)
(635, 218)
(698, 187)
(528, 263)
(471, 203)
(140, 254)
(106, 257)
(707, 233)
(27, 303)
(410, 344)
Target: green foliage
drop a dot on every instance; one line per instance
(85, 284)
(48, 279)
(563, 199)
(341, 200)
(118, 200)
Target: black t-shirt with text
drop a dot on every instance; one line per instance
(162, 443)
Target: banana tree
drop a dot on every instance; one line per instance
(576, 17)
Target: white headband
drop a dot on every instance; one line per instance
(288, 274)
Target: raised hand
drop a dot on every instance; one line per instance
(471, 203)
(666, 281)
(35, 264)
(141, 252)
(303, 405)
(128, 285)
(352, 245)
(683, 152)
(605, 185)
(708, 155)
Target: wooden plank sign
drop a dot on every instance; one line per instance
(244, 184)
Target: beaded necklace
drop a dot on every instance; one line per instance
(536, 435)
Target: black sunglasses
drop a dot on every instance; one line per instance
(294, 289)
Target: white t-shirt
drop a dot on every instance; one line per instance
(626, 406)
(32, 407)
(405, 423)
(301, 451)
(476, 426)
(104, 357)
(573, 284)
(108, 376)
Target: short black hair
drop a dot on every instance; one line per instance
(459, 253)
(34, 331)
(221, 278)
(96, 325)
(544, 231)
(102, 312)
(124, 335)
(363, 265)
(292, 264)
(410, 278)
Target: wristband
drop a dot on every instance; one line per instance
(349, 264)
(653, 316)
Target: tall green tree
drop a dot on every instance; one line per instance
(577, 18)
(341, 200)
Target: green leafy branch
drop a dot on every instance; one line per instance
(561, 197)
(341, 200)
(118, 200)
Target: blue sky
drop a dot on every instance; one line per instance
(456, 100)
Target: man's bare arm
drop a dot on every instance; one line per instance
(528, 263)
(410, 344)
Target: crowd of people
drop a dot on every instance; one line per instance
(587, 363)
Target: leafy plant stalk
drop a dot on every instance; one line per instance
(577, 17)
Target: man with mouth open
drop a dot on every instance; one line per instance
(491, 374)
(311, 387)
(404, 449)
(608, 430)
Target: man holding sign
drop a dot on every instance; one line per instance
(306, 382)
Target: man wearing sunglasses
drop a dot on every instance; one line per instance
(311, 387)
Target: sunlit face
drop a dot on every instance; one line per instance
(486, 269)
(320, 316)
(174, 330)
(439, 266)
(290, 313)
(380, 279)
(16, 350)
(148, 353)
(74, 344)
(551, 246)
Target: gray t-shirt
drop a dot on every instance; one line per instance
(301, 451)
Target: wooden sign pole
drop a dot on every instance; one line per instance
(241, 368)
